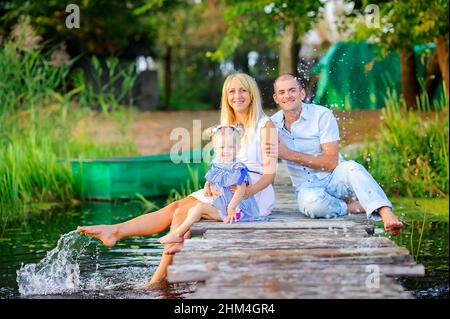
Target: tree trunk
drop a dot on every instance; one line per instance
(288, 54)
(442, 56)
(408, 78)
(432, 75)
(167, 77)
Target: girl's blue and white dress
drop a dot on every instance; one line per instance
(224, 175)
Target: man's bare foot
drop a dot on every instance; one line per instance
(175, 248)
(108, 234)
(355, 208)
(391, 223)
(171, 238)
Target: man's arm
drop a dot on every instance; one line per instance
(326, 161)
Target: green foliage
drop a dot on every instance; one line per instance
(411, 156)
(105, 91)
(192, 185)
(38, 128)
(405, 23)
(106, 26)
(262, 20)
(187, 31)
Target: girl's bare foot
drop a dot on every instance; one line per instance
(108, 234)
(158, 278)
(355, 208)
(174, 249)
(391, 223)
(171, 239)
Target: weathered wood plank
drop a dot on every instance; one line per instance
(272, 242)
(292, 254)
(204, 271)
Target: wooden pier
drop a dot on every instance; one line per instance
(292, 256)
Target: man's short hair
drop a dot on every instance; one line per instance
(288, 75)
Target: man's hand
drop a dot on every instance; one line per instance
(231, 215)
(283, 151)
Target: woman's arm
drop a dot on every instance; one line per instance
(269, 135)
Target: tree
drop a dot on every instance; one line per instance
(183, 32)
(278, 23)
(107, 27)
(404, 24)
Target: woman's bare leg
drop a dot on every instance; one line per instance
(144, 225)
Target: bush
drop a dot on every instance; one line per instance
(411, 156)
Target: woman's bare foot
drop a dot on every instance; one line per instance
(355, 208)
(391, 223)
(108, 234)
(171, 238)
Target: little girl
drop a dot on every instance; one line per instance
(225, 174)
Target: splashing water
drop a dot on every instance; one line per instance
(59, 271)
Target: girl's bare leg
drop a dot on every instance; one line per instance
(208, 212)
(176, 235)
(179, 216)
(144, 225)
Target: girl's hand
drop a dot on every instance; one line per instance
(231, 215)
(207, 190)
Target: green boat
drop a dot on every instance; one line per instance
(126, 177)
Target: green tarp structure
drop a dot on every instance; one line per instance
(353, 76)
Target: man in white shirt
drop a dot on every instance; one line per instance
(325, 184)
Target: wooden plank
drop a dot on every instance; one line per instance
(298, 224)
(204, 271)
(286, 234)
(371, 255)
(237, 243)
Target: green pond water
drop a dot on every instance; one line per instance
(119, 271)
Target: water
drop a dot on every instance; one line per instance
(58, 272)
(426, 236)
(42, 257)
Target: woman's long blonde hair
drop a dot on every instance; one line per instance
(255, 112)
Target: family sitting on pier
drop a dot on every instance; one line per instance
(305, 136)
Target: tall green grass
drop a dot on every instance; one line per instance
(39, 117)
(411, 156)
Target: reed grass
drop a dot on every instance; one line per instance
(38, 120)
(410, 158)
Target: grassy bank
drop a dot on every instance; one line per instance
(410, 158)
(39, 117)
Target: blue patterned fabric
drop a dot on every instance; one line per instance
(222, 176)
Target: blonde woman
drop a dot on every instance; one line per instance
(240, 105)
